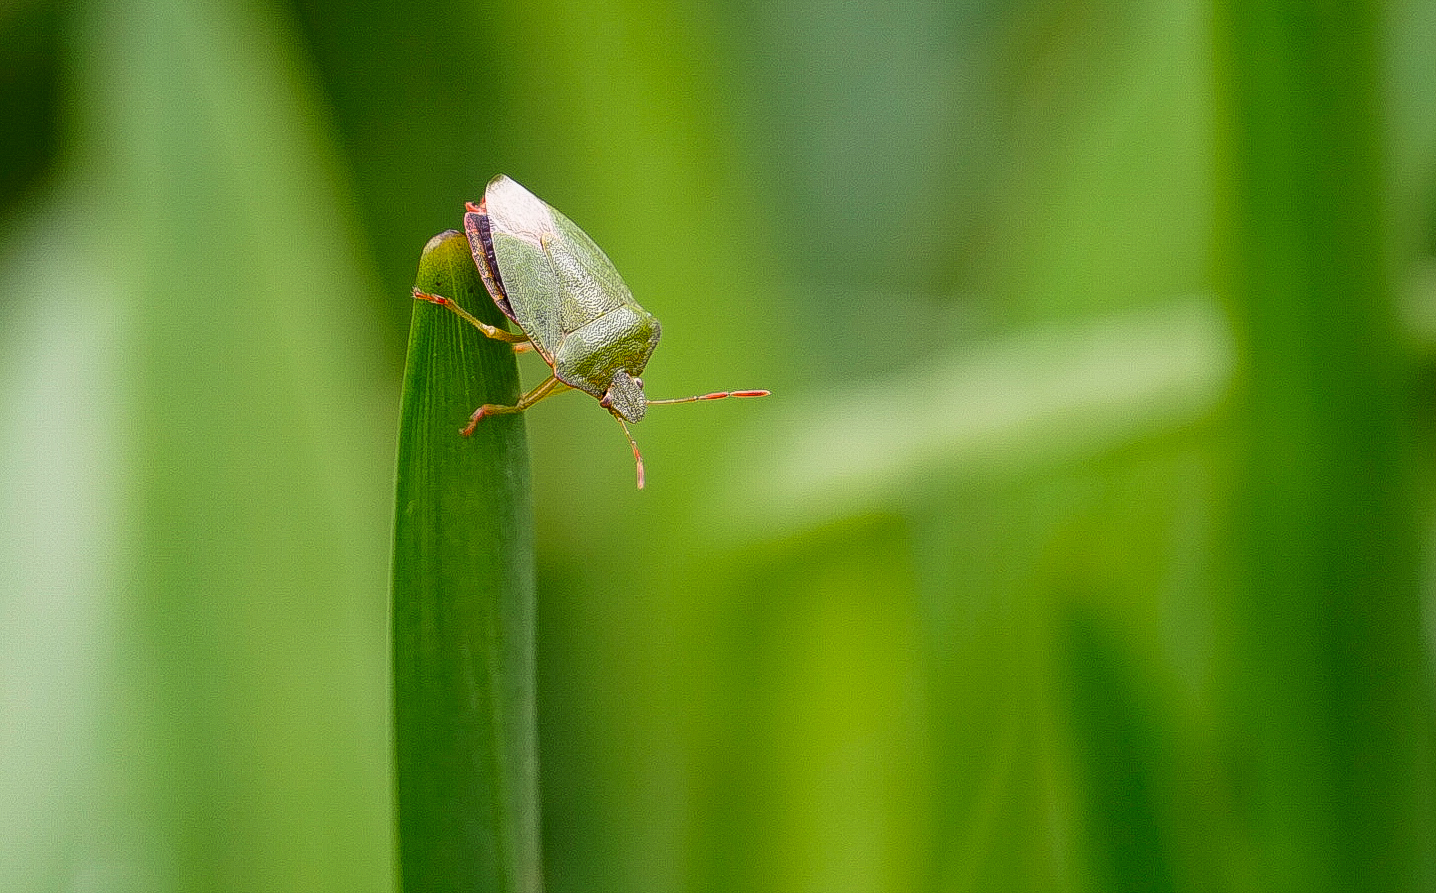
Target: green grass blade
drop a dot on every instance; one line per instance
(463, 621)
(1333, 721)
(1040, 397)
(240, 425)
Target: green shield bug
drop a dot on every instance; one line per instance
(573, 308)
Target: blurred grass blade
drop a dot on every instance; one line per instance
(243, 723)
(463, 619)
(1332, 719)
(1040, 396)
(1117, 762)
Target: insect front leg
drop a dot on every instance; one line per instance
(549, 387)
(493, 332)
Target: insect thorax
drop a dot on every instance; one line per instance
(621, 340)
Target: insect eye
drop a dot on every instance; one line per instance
(606, 401)
(638, 381)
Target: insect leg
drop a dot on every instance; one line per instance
(716, 395)
(548, 387)
(493, 332)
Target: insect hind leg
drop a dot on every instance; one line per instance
(493, 332)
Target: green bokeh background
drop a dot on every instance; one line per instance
(1085, 543)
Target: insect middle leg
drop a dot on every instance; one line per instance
(493, 332)
(548, 387)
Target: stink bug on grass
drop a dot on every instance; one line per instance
(573, 308)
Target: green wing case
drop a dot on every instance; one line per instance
(565, 292)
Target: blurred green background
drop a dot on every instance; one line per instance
(1085, 543)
